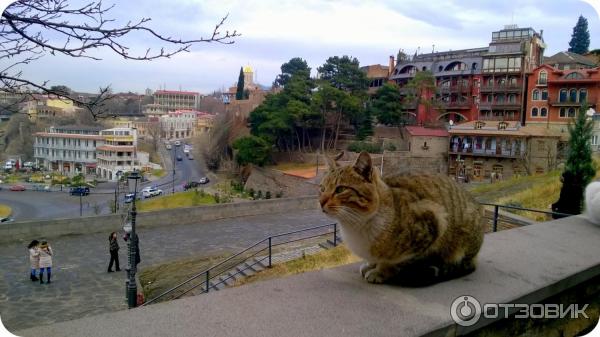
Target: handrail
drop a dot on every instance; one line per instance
(207, 271)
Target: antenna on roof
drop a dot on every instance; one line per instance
(432, 48)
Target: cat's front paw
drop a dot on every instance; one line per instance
(375, 276)
(365, 267)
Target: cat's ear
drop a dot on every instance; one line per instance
(332, 162)
(364, 165)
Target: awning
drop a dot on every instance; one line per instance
(90, 165)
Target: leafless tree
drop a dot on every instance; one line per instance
(154, 130)
(31, 28)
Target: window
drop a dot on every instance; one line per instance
(562, 113)
(536, 95)
(543, 112)
(512, 98)
(595, 140)
(502, 82)
(534, 112)
(488, 98)
(479, 125)
(582, 95)
(502, 125)
(563, 95)
(571, 112)
(500, 98)
(573, 95)
(544, 95)
(474, 66)
(573, 75)
(543, 77)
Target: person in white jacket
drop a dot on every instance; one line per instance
(45, 261)
(34, 258)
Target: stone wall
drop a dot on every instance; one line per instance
(26, 230)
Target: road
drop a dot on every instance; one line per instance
(31, 205)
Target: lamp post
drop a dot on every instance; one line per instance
(118, 174)
(176, 145)
(132, 245)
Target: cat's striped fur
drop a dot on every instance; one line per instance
(411, 229)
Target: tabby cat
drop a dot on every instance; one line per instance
(410, 229)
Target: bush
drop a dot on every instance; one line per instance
(390, 147)
(364, 146)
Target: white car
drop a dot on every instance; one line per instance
(149, 192)
(177, 143)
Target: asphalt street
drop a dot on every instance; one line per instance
(31, 205)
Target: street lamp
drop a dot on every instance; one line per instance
(119, 174)
(174, 153)
(132, 244)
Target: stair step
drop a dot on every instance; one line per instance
(244, 271)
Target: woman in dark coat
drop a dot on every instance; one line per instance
(114, 252)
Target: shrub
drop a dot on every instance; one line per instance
(364, 146)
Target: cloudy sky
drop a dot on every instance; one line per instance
(274, 31)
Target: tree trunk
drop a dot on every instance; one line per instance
(337, 129)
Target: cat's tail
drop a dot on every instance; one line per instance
(425, 273)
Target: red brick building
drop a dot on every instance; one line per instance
(555, 95)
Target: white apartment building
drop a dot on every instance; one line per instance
(70, 150)
(179, 124)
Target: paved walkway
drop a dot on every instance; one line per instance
(80, 285)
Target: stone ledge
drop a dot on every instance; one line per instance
(522, 265)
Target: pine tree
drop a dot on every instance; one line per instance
(239, 94)
(580, 39)
(579, 168)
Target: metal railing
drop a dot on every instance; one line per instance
(496, 213)
(265, 246)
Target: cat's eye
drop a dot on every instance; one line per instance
(340, 189)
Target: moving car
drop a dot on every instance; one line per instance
(151, 192)
(191, 184)
(129, 198)
(177, 143)
(203, 180)
(81, 190)
(190, 157)
(179, 158)
(18, 188)
(168, 146)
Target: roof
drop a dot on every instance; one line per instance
(566, 57)
(174, 92)
(79, 128)
(429, 132)
(490, 128)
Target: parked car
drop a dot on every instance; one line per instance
(190, 157)
(28, 164)
(203, 180)
(191, 184)
(168, 146)
(7, 219)
(18, 188)
(177, 143)
(151, 192)
(81, 190)
(179, 158)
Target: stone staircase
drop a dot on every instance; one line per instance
(258, 264)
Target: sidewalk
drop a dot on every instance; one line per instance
(80, 284)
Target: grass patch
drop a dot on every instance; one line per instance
(158, 173)
(334, 257)
(159, 278)
(5, 211)
(181, 199)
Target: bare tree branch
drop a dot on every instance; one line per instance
(78, 32)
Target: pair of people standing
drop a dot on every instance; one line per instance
(40, 257)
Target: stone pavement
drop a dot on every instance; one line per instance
(80, 284)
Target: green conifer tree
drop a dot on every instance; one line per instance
(579, 167)
(580, 39)
(239, 94)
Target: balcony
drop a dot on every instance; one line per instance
(502, 88)
(499, 106)
(454, 88)
(495, 153)
(456, 104)
(592, 102)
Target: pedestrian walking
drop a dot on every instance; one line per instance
(34, 258)
(113, 248)
(45, 261)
